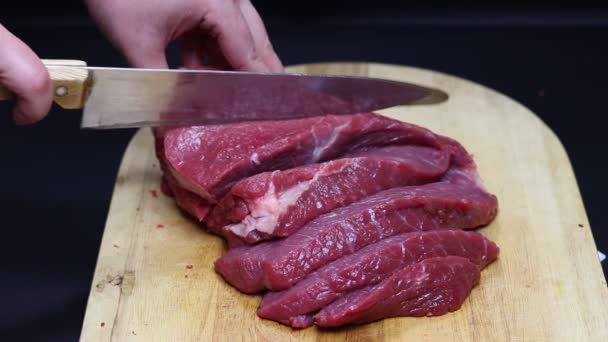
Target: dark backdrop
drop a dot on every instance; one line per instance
(56, 180)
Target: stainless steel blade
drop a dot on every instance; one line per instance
(143, 97)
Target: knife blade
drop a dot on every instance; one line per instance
(126, 98)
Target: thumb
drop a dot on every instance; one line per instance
(22, 72)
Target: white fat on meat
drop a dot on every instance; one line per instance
(255, 158)
(468, 173)
(264, 212)
(318, 151)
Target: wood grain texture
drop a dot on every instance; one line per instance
(547, 284)
(69, 79)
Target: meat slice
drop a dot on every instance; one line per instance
(277, 204)
(432, 287)
(277, 265)
(208, 160)
(185, 199)
(369, 266)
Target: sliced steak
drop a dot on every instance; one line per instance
(277, 265)
(362, 213)
(208, 160)
(432, 287)
(185, 199)
(369, 266)
(277, 204)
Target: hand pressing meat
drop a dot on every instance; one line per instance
(230, 33)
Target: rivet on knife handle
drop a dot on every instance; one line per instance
(70, 78)
(70, 82)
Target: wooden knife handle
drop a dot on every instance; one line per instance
(70, 83)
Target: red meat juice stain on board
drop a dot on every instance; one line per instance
(103, 324)
(160, 226)
(189, 267)
(154, 193)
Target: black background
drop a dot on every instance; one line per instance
(56, 180)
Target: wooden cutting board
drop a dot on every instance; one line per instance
(154, 279)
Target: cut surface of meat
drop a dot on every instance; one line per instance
(277, 265)
(185, 199)
(431, 287)
(209, 160)
(369, 266)
(348, 219)
(277, 204)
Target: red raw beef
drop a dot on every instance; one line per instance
(277, 265)
(432, 287)
(362, 215)
(185, 199)
(277, 204)
(209, 160)
(370, 266)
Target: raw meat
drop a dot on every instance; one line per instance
(277, 204)
(363, 213)
(369, 266)
(187, 200)
(277, 265)
(432, 287)
(208, 160)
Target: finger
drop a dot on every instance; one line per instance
(22, 72)
(260, 37)
(227, 26)
(151, 55)
(217, 60)
(140, 43)
(192, 50)
(142, 48)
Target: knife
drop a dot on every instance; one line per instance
(123, 97)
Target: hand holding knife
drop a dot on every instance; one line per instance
(123, 97)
